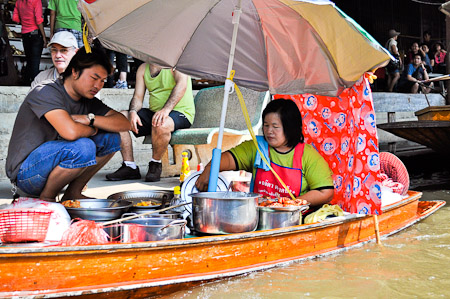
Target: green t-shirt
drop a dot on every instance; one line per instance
(67, 14)
(315, 170)
(160, 89)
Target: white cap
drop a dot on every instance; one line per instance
(65, 39)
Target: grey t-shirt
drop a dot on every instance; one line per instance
(31, 128)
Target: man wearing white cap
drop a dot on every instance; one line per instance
(63, 47)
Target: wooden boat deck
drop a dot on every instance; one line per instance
(137, 270)
(433, 134)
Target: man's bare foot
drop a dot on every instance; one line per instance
(48, 199)
(76, 196)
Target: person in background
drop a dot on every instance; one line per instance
(425, 50)
(298, 164)
(65, 16)
(29, 14)
(171, 107)
(121, 66)
(63, 47)
(63, 135)
(427, 39)
(415, 76)
(393, 68)
(438, 62)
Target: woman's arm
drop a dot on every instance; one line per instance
(318, 197)
(226, 163)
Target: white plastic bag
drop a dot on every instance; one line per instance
(59, 220)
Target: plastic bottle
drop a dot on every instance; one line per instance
(176, 200)
(185, 168)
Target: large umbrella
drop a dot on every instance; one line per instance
(284, 46)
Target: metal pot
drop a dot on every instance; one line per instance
(167, 215)
(113, 231)
(151, 229)
(225, 212)
(276, 217)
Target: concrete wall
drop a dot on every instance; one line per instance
(11, 98)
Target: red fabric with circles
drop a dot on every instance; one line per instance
(343, 130)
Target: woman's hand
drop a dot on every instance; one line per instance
(202, 182)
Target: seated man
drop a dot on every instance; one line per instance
(415, 75)
(171, 108)
(63, 134)
(63, 46)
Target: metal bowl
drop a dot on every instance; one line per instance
(225, 212)
(137, 196)
(98, 209)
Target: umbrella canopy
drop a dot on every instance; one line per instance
(284, 46)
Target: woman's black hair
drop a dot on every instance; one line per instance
(82, 60)
(291, 119)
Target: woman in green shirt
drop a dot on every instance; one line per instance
(300, 166)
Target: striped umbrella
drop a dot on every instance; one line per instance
(284, 46)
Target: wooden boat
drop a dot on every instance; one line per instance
(432, 128)
(138, 270)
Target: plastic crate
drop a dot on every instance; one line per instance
(23, 225)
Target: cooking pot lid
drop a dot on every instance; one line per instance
(188, 187)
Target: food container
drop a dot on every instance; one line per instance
(156, 196)
(276, 217)
(98, 209)
(225, 212)
(151, 229)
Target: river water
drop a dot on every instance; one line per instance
(414, 263)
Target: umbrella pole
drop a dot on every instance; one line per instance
(217, 152)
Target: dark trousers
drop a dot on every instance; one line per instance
(121, 64)
(32, 45)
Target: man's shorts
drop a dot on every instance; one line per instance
(80, 153)
(146, 115)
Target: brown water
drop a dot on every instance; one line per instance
(414, 263)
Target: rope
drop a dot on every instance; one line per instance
(250, 129)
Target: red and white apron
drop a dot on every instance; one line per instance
(268, 185)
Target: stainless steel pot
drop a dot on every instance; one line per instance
(277, 217)
(151, 229)
(225, 212)
(167, 215)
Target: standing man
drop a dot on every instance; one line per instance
(63, 46)
(171, 108)
(63, 135)
(65, 16)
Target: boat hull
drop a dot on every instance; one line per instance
(138, 270)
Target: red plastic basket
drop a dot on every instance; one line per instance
(23, 225)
